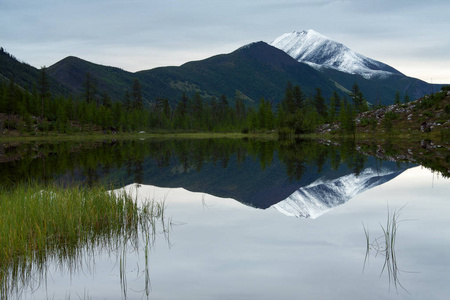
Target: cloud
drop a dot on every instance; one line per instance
(178, 30)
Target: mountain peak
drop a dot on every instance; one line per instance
(319, 51)
(310, 32)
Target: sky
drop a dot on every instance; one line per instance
(409, 35)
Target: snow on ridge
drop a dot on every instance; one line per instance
(319, 51)
(321, 196)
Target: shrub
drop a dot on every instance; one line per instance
(368, 121)
(447, 109)
(445, 88)
(285, 133)
(428, 114)
(10, 124)
(391, 115)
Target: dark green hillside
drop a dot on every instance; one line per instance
(383, 90)
(111, 80)
(72, 71)
(252, 72)
(25, 75)
(256, 70)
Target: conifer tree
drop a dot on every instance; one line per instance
(44, 89)
(358, 99)
(89, 88)
(319, 103)
(197, 110)
(397, 97)
(288, 103)
(223, 105)
(240, 109)
(11, 97)
(299, 98)
(347, 118)
(406, 98)
(335, 104)
(138, 102)
(127, 101)
(106, 100)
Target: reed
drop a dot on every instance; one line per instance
(40, 224)
(385, 246)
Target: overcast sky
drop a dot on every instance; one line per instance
(411, 36)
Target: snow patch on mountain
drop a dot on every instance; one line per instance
(318, 51)
(321, 196)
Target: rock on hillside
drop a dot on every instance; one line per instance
(430, 113)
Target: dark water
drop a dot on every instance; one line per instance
(253, 219)
(259, 173)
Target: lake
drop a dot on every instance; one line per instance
(250, 219)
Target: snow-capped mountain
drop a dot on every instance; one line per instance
(318, 51)
(321, 196)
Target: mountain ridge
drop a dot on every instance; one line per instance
(251, 72)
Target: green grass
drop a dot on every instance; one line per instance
(62, 224)
(127, 136)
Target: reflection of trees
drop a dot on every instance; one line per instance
(139, 171)
(292, 154)
(351, 157)
(297, 155)
(95, 159)
(91, 176)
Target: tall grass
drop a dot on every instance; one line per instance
(61, 224)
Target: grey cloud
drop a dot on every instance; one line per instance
(199, 27)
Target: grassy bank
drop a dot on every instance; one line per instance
(41, 224)
(94, 136)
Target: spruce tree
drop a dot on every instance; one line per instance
(138, 102)
(44, 89)
(406, 98)
(358, 98)
(288, 101)
(319, 103)
(335, 104)
(299, 98)
(89, 88)
(397, 97)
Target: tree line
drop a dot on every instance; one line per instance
(296, 113)
(121, 162)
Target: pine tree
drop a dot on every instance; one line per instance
(288, 103)
(11, 97)
(319, 103)
(335, 104)
(44, 88)
(358, 98)
(299, 98)
(197, 110)
(397, 97)
(127, 101)
(106, 100)
(89, 88)
(138, 102)
(223, 105)
(406, 98)
(347, 118)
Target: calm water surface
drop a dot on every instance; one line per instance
(261, 220)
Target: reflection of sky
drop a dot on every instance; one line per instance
(222, 249)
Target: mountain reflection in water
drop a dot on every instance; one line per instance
(258, 173)
(211, 189)
(320, 196)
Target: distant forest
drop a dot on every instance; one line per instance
(41, 111)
